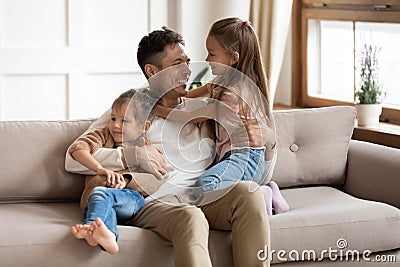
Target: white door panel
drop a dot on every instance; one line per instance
(69, 59)
(34, 96)
(34, 23)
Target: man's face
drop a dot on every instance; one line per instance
(173, 73)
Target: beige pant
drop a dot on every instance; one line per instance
(187, 227)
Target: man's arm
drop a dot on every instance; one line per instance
(109, 158)
(149, 157)
(113, 179)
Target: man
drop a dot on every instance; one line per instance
(167, 213)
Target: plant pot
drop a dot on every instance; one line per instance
(368, 114)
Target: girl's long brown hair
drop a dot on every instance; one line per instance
(236, 35)
(247, 77)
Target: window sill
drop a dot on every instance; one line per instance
(386, 134)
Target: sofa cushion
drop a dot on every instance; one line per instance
(312, 145)
(40, 236)
(368, 163)
(321, 216)
(32, 163)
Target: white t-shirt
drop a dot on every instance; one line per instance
(187, 149)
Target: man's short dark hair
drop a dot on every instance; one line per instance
(153, 44)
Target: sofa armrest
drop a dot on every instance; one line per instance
(373, 172)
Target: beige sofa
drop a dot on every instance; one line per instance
(325, 178)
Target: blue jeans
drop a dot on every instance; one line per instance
(242, 164)
(112, 206)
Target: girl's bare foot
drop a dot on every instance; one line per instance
(84, 231)
(104, 237)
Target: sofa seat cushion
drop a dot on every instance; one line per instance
(39, 235)
(322, 217)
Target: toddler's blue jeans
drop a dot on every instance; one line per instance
(112, 206)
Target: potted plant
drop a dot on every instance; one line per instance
(369, 96)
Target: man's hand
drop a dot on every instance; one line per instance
(151, 159)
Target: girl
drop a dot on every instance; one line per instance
(109, 197)
(243, 124)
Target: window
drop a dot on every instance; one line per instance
(331, 37)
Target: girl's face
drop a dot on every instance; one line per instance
(123, 124)
(218, 57)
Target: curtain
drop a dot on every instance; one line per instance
(271, 20)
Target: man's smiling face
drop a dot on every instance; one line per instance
(173, 72)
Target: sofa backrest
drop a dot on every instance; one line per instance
(32, 161)
(312, 145)
(312, 149)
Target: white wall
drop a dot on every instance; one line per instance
(197, 17)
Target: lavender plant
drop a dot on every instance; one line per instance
(370, 91)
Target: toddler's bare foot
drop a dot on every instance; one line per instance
(278, 201)
(84, 231)
(104, 237)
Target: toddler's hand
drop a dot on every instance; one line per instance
(120, 183)
(112, 178)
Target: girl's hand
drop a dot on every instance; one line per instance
(112, 178)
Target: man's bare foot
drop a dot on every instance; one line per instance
(104, 237)
(84, 231)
